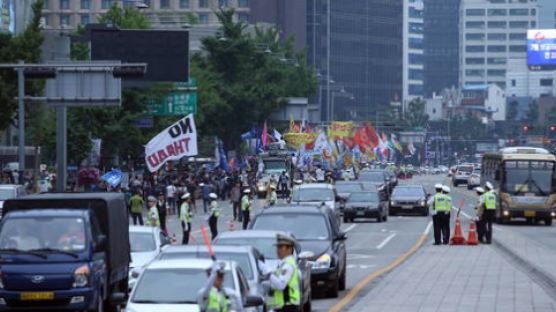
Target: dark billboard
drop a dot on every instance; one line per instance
(166, 52)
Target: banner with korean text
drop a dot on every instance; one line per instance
(341, 129)
(175, 142)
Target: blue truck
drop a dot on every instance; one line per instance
(64, 251)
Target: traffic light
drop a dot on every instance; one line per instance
(512, 141)
(552, 128)
(526, 128)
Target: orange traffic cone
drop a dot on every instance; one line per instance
(472, 239)
(457, 239)
(174, 240)
(232, 226)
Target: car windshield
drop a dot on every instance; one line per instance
(372, 177)
(313, 194)
(241, 258)
(528, 177)
(466, 169)
(264, 245)
(172, 286)
(347, 188)
(367, 186)
(6, 194)
(363, 197)
(140, 242)
(295, 223)
(274, 165)
(408, 191)
(28, 233)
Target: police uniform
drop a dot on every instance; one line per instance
(489, 213)
(440, 216)
(212, 299)
(285, 282)
(273, 196)
(479, 215)
(185, 219)
(245, 208)
(152, 217)
(213, 217)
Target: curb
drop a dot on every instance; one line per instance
(538, 275)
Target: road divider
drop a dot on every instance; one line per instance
(339, 306)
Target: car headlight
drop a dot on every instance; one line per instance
(81, 276)
(323, 262)
(393, 203)
(422, 203)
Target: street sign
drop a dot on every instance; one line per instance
(182, 100)
(146, 122)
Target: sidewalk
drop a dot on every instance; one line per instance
(456, 278)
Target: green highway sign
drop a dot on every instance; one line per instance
(182, 100)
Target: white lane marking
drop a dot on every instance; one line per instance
(350, 228)
(497, 228)
(363, 266)
(385, 241)
(462, 212)
(428, 228)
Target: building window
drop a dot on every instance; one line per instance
(416, 59)
(513, 82)
(519, 25)
(475, 48)
(203, 4)
(518, 48)
(415, 28)
(496, 60)
(521, 37)
(84, 19)
(475, 12)
(496, 72)
(474, 60)
(475, 25)
(106, 4)
(64, 19)
(497, 12)
(497, 37)
(46, 5)
(45, 18)
(496, 48)
(184, 4)
(64, 5)
(474, 72)
(85, 5)
(415, 89)
(416, 74)
(416, 43)
(223, 3)
(164, 4)
(203, 19)
(519, 12)
(414, 13)
(533, 24)
(243, 3)
(243, 17)
(499, 25)
(546, 82)
(479, 37)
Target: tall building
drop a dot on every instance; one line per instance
(441, 42)
(364, 59)
(162, 13)
(492, 31)
(547, 14)
(413, 44)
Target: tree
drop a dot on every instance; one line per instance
(511, 114)
(532, 114)
(126, 18)
(416, 115)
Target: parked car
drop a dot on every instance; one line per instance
(474, 179)
(145, 243)
(9, 191)
(366, 205)
(409, 198)
(322, 239)
(173, 285)
(316, 194)
(462, 174)
(265, 243)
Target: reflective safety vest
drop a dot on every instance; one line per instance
(291, 294)
(217, 302)
(153, 215)
(490, 200)
(184, 212)
(245, 205)
(449, 201)
(215, 211)
(273, 198)
(441, 202)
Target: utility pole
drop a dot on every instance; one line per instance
(328, 62)
(21, 120)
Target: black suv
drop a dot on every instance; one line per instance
(318, 232)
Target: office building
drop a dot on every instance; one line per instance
(522, 82)
(67, 14)
(547, 14)
(441, 42)
(492, 31)
(365, 56)
(413, 59)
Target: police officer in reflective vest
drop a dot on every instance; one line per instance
(213, 215)
(185, 218)
(285, 280)
(445, 223)
(273, 196)
(245, 207)
(213, 297)
(479, 214)
(152, 217)
(489, 213)
(440, 211)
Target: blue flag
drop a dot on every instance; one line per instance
(251, 134)
(114, 177)
(223, 160)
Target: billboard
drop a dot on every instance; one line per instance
(7, 16)
(541, 49)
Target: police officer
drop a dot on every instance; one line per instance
(213, 297)
(152, 217)
(479, 214)
(285, 280)
(185, 218)
(273, 200)
(438, 205)
(445, 219)
(489, 206)
(213, 215)
(245, 207)
(163, 207)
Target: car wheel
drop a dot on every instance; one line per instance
(342, 285)
(548, 221)
(469, 187)
(385, 218)
(426, 212)
(333, 291)
(455, 184)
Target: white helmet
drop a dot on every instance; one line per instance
(489, 186)
(213, 196)
(186, 196)
(438, 186)
(480, 190)
(445, 189)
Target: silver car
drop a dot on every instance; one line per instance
(146, 243)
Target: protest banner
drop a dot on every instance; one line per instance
(342, 129)
(296, 139)
(175, 142)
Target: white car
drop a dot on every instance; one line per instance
(146, 243)
(9, 191)
(474, 179)
(173, 285)
(315, 194)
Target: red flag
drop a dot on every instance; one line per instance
(373, 137)
(307, 128)
(348, 142)
(364, 138)
(357, 137)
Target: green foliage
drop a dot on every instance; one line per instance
(79, 51)
(416, 115)
(532, 114)
(126, 18)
